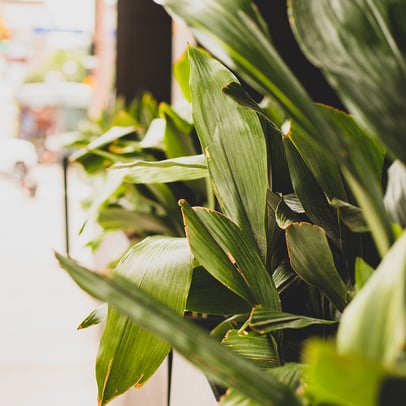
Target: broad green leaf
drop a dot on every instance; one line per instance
(97, 316)
(309, 192)
(279, 180)
(225, 251)
(260, 349)
(208, 295)
(395, 196)
(265, 320)
(359, 47)
(373, 325)
(116, 218)
(363, 272)
(166, 171)
(219, 363)
(311, 258)
(339, 379)
(128, 354)
(234, 144)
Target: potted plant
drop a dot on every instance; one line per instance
(302, 257)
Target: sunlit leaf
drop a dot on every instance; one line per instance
(229, 255)
(128, 354)
(111, 135)
(97, 316)
(169, 170)
(334, 378)
(373, 325)
(219, 363)
(363, 272)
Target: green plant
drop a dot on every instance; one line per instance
(304, 257)
(127, 153)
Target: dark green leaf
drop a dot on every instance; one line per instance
(208, 295)
(357, 45)
(311, 258)
(309, 192)
(229, 255)
(351, 216)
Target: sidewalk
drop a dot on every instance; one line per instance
(44, 360)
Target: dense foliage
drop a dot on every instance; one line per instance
(302, 253)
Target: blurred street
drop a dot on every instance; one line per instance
(44, 361)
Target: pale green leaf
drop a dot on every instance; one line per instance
(111, 135)
(373, 325)
(395, 196)
(166, 171)
(338, 379)
(363, 272)
(128, 354)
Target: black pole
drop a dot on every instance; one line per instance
(65, 164)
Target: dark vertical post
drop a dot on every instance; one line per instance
(144, 50)
(275, 14)
(65, 163)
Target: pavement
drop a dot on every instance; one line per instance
(44, 360)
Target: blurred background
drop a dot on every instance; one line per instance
(51, 77)
(62, 63)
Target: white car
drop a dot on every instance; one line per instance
(17, 158)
